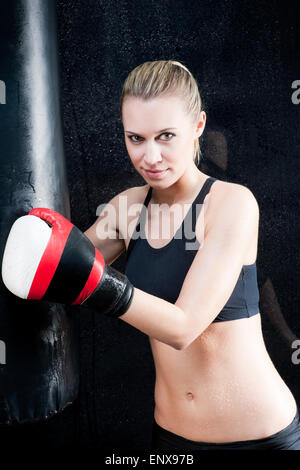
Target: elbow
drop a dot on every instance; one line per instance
(182, 342)
(185, 333)
(181, 345)
(178, 346)
(178, 342)
(188, 336)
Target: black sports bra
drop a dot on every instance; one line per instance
(161, 271)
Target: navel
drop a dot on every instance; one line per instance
(190, 395)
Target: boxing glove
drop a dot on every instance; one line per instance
(47, 258)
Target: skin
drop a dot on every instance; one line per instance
(215, 382)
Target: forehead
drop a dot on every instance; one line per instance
(162, 111)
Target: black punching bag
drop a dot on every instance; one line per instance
(38, 362)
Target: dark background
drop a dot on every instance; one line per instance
(244, 57)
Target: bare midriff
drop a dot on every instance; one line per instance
(223, 387)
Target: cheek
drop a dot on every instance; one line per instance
(134, 153)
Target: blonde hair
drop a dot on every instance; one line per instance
(152, 79)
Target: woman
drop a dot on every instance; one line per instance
(216, 387)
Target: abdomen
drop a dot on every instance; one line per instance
(224, 387)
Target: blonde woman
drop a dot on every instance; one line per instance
(190, 281)
(216, 386)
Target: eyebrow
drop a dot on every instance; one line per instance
(162, 130)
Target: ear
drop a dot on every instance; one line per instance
(200, 125)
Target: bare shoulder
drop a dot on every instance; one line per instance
(127, 197)
(232, 192)
(109, 233)
(130, 198)
(129, 203)
(136, 194)
(231, 201)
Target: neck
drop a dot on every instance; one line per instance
(182, 190)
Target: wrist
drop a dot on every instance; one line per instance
(113, 295)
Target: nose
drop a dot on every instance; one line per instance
(152, 154)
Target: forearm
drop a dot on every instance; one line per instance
(157, 318)
(68, 270)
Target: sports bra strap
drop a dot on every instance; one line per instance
(148, 197)
(204, 190)
(195, 208)
(141, 218)
(193, 211)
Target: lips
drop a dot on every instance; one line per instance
(155, 173)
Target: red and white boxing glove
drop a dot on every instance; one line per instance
(47, 258)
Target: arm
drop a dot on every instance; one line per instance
(153, 308)
(105, 233)
(209, 281)
(55, 262)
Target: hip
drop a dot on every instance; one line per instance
(286, 439)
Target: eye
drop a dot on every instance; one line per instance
(130, 137)
(169, 134)
(136, 139)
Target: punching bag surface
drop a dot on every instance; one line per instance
(38, 363)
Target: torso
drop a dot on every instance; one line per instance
(224, 386)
